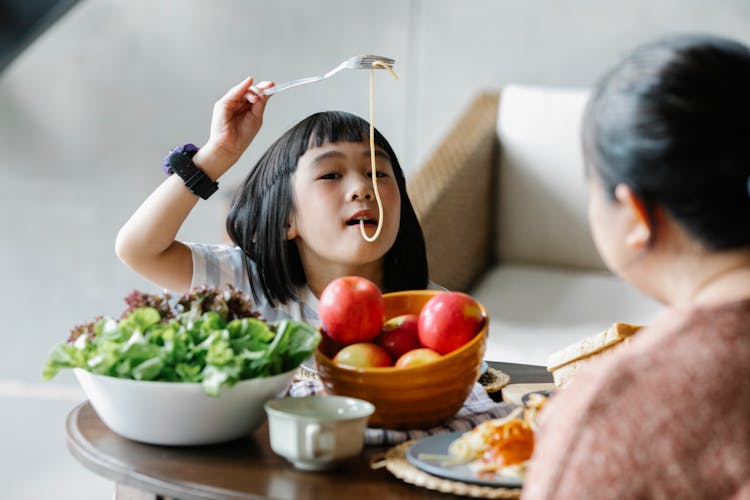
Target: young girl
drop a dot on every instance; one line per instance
(295, 220)
(666, 139)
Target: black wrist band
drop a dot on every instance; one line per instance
(195, 179)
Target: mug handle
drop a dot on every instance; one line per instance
(312, 442)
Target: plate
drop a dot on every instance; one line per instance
(525, 397)
(438, 445)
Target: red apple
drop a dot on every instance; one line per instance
(351, 310)
(417, 357)
(399, 335)
(363, 355)
(448, 321)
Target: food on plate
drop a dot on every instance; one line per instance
(448, 321)
(496, 447)
(567, 361)
(363, 355)
(351, 310)
(533, 403)
(209, 336)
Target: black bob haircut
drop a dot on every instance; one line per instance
(257, 220)
(672, 122)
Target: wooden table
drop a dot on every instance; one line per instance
(245, 468)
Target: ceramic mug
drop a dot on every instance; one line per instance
(317, 432)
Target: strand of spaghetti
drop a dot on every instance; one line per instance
(372, 154)
(381, 64)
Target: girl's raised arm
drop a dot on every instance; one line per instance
(146, 243)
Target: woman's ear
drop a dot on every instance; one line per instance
(291, 229)
(640, 228)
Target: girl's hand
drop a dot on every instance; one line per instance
(237, 118)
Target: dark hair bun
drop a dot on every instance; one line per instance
(671, 121)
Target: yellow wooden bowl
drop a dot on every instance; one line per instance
(408, 398)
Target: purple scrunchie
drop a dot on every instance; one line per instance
(186, 149)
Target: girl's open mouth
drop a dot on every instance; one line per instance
(362, 215)
(354, 221)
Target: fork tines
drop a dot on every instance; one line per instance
(370, 58)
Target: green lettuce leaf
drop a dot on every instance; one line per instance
(209, 336)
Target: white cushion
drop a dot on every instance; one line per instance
(535, 310)
(542, 192)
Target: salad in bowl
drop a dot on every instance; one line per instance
(195, 369)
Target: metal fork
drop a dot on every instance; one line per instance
(355, 62)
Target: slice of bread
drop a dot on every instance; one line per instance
(567, 361)
(591, 345)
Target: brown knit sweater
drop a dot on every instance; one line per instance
(666, 417)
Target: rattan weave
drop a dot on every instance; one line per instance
(454, 197)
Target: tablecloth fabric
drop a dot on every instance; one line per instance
(477, 408)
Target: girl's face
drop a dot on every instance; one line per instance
(333, 190)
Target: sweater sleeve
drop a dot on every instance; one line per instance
(665, 416)
(556, 443)
(582, 450)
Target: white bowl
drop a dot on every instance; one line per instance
(180, 413)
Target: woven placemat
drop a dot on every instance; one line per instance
(397, 464)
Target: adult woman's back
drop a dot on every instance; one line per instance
(668, 416)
